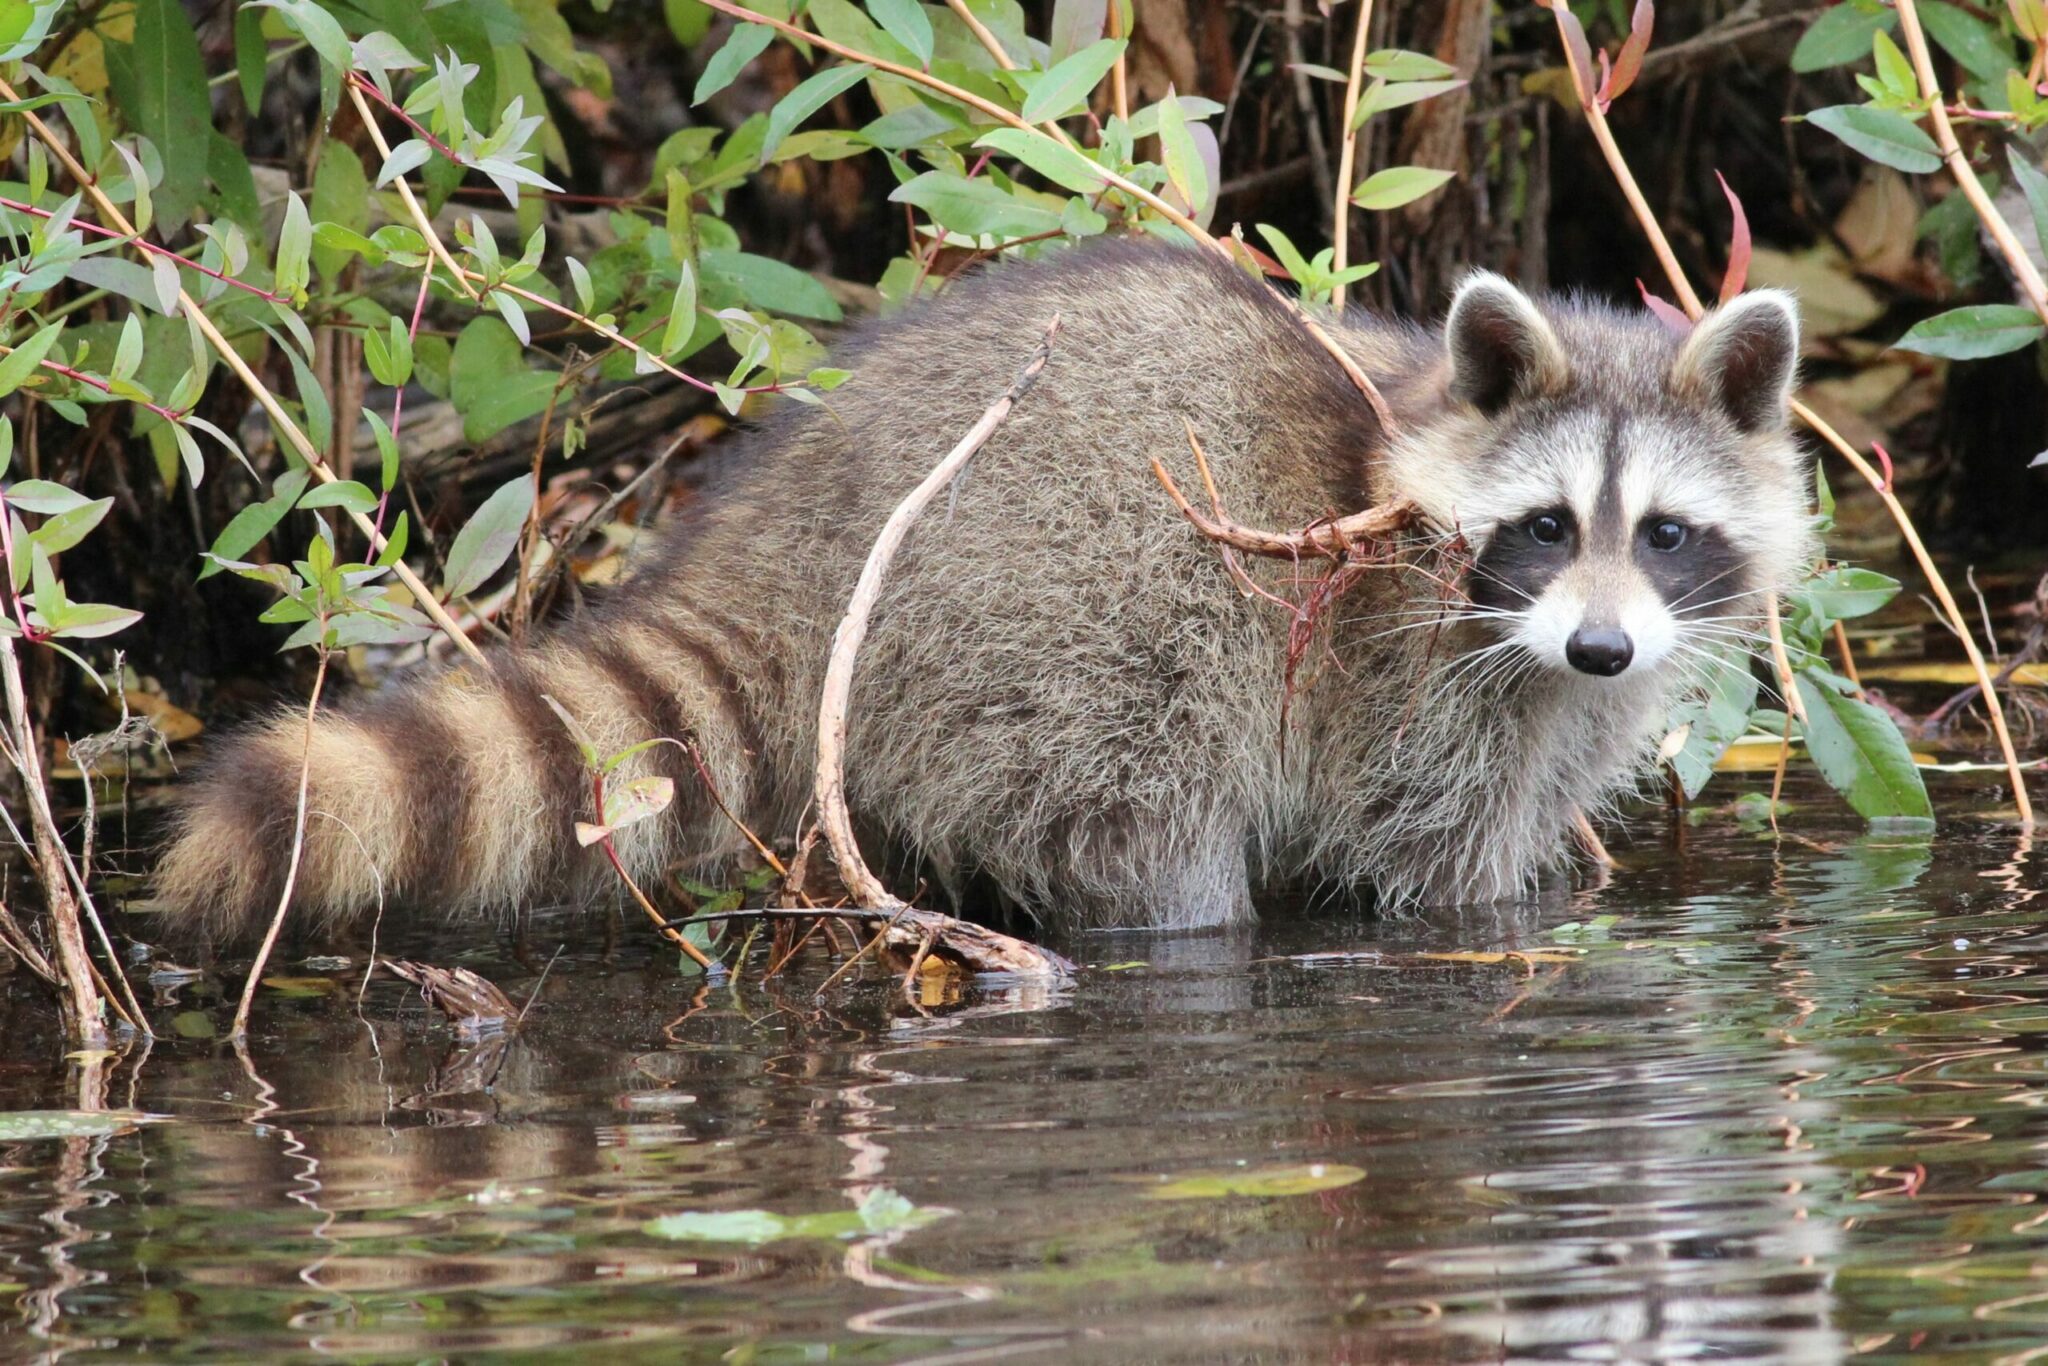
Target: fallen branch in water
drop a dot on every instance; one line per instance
(984, 950)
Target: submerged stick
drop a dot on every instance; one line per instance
(833, 816)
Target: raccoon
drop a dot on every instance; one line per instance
(1066, 698)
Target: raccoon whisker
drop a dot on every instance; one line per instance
(1704, 585)
(1474, 665)
(1500, 582)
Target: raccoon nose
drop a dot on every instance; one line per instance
(1600, 650)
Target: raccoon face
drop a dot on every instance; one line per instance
(1626, 492)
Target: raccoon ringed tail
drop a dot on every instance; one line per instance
(459, 791)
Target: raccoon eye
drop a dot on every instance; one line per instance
(1546, 528)
(1666, 534)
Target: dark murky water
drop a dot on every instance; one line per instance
(1788, 1106)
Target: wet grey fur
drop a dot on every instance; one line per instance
(1064, 696)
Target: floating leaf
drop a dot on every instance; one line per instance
(881, 1211)
(26, 1126)
(1259, 1183)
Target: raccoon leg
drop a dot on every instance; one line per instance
(1149, 873)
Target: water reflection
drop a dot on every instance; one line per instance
(1771, 1100)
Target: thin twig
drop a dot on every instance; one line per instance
(1336, 536)
(853, 629)
(1347, 156)
(81, 999)
(291, 868)
(2001, 232)
(140, 244)
(405, 195)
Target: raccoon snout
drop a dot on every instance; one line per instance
(1603, 651)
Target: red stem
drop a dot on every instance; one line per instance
(150, 247)
(369, 88)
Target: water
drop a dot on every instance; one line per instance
(1788, 1105)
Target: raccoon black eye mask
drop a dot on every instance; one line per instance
(1065, 705)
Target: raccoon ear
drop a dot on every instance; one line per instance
(1743, 357)
(1501, 346)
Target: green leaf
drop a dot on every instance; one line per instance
(1714, 718)
(1064, 89)
(346, 494)
(807, 99)
(2034, 184)
(252, 57)
(742, 45)
(1980, 48)
(1259, 1183)
(1394, 64)
(1894, 72)
(1973, 332)
(128, 352)
(976, 206)
(249, 526)
(905, 21)
(1398, 185)
(1185, 169)
(1861, 753)
(1881, 135)
(490, 383)
(1382, 96)
(22, 362)
(1298, 268)
(294, 248)
(66, 529)
(769, 284)
(341, 196)
(1841, 35)
(682, 312)
(388, 353)
(171, 105)
(1845, 592)
(1057, 162)
(487, 540)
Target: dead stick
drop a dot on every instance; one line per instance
(853, 629)
(291, 869)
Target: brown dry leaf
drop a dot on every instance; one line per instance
(1831, 299)
(171, 722)
(1879, 224)
(473, 1003)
